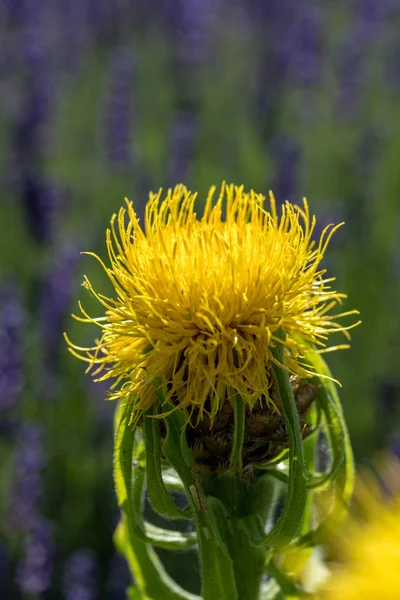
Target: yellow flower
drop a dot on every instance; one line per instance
(198, 301)
(371, 547)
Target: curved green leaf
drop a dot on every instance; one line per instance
(160, 498)
(151, 579)
(290, 520)
(342, 476)
(236, 458)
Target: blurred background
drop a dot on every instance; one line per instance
(101, 99)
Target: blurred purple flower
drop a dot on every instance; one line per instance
(182, 146)
(301, 46)
(119, 578)
(80, 577)
(370, 15)
(11, 330)
(29, 461)
(191, 24)
(38, 47)
(350, 75)
(366, 21)
(43, 203)
(291, 42)
(118, 117)
(56, 294)
(285, 154)
(74, 16)
(35, 569)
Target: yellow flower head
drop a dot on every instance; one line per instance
(371, 549)
(198, 301)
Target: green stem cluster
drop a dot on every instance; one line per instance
(238, 540)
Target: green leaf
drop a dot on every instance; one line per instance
(147, 570)
(341, 473)
(165, 538)
(236, 458)
(160, 499)
(290, 520)
(171, 480)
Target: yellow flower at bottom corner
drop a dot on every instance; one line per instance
(198, 301)
(371, 548)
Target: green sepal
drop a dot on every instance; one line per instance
(334, 427)
(342, 475)
(160, 498)
(147, 532)
(236, 458)
(290, 520)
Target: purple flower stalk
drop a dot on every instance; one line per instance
(191, 23)
(182, 146)
(11, 324)
(43, 204)
(28, 485)
(367, 20)
(118, 124)
(37, 49)
(286, 155)
(35, 569)
(301, 47)
(55, 299)
(80, 580)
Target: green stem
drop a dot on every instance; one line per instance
(240, 509)
(216, 565)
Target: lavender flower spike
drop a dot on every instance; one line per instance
(35, 570)
(11, 322)
(80, 577)
(29, 463)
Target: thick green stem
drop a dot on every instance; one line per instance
(240, 510)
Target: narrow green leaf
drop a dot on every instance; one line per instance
(171, 480)
(165, 538)
(341, 473)
(290, 520)
(147, 570)
(236, 458)
(158, 493)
